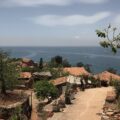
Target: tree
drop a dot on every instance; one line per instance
(108, 41)
(56, 61)
(44, 89)
(86, 66)
(8, 72)
(41, 63)
(112, 70)
(80, 64)
(65, 63)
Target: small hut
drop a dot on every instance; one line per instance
(60, 83)
(105, 77)
(25, 80)
(25, 75)
(76, 71)
(78, 75)
(26, 62)
(42, 75)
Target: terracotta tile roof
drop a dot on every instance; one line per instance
(26, 60)
(59, 81)
(107, 76)
(76, 71)
(25, 75)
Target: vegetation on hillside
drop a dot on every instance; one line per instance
(8, 72)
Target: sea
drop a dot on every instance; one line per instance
(98, 58)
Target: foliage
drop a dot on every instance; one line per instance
(8, 72)
(17, 115)
(41, 63)
(56, 61)
(56, 72)
(79, 64)
(107, 41)
(44, 89)
(86, 66)
(30, 69)
(65, 63)
(96, 83)
(112, 70)
(117, 87)
(118, 103)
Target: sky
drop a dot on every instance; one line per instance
(55, 22)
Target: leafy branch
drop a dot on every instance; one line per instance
(107, 41)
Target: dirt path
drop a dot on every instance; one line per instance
(86, 106)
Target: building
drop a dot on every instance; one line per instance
(42, 75)
(60, 83)
(27, 62)
(76, 71)
(105, 77)
(25, 75)
(25, 80)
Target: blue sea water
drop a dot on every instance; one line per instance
(99, 58)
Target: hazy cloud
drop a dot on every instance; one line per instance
(77, 37)
(47, 2)
(72, 20)
(117, 20)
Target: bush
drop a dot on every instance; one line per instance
(95, 83)
(44, 89)
(117, 88)
(29, 69)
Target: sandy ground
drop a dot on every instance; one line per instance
(87, 105)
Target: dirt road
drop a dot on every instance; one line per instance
(87, 106)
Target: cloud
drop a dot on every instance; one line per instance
(72, 20)
(77, 37)
(93, 1)
(47, 2)
(116, 21)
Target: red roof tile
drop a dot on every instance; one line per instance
(107, 76)
(59, 81)
(76, 71)
(25, 75)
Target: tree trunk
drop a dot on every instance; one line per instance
(3, 87)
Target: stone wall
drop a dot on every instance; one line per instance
(7, 111)
(110, 109)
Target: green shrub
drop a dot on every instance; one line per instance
(117, 88)
(44, 89)
(29, 69)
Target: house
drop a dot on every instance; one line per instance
(74, 80)
(76, 71)
(25, 80)
(105, 77)
(42, 75)
(25, 75)
(60, 83)
(27, 62)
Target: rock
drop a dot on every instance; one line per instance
(110, 113)
(105, 117)
(110, 110)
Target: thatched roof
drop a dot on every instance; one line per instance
(107, 76)
(25, 75)
(76, 71)
(48, 74)
(59, 81)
